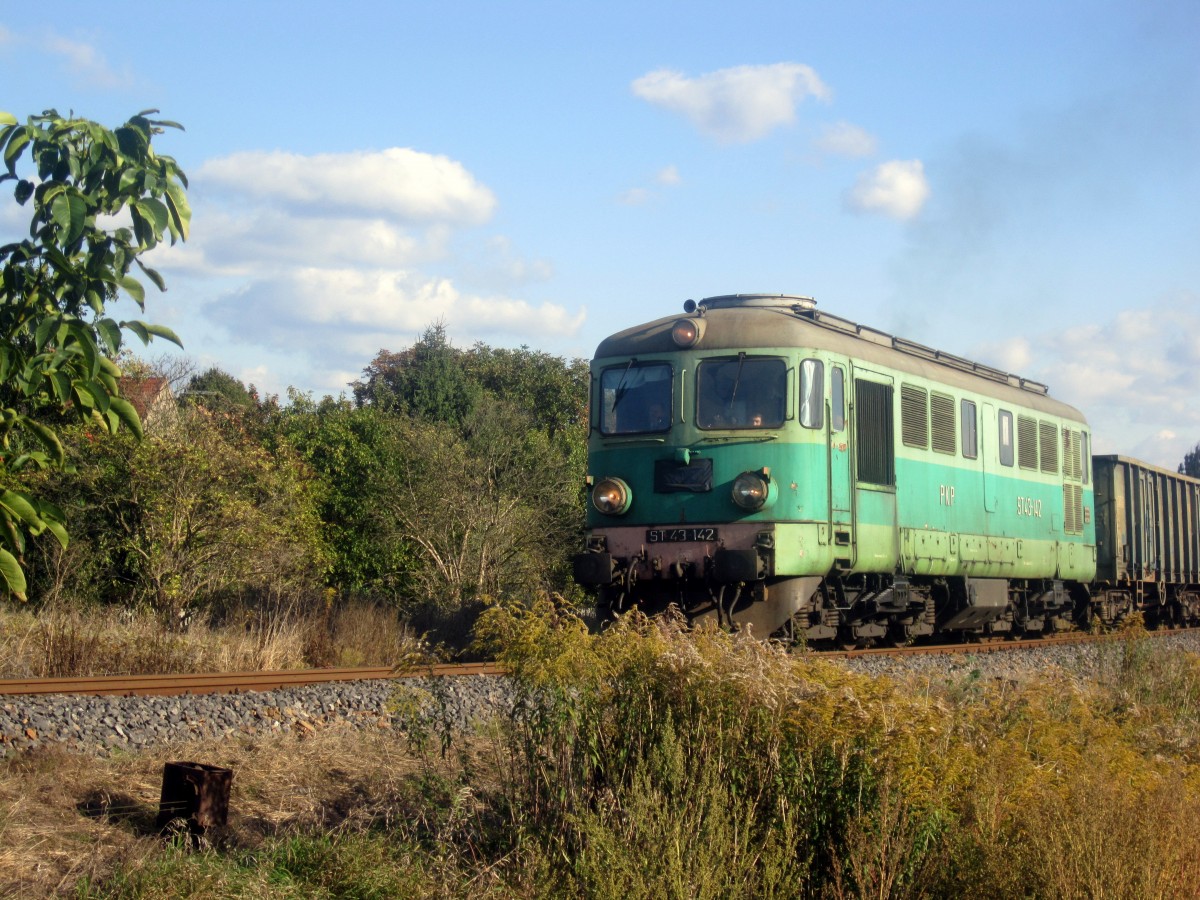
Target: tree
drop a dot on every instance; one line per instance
(489, 509)
(186, 516)
(56, 342)
(218, 390)
(427, 381)
(1191, 463)
(357, 454)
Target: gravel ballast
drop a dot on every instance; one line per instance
(425, 708)
(419, 707)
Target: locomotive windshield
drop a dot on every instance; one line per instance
(741, 392)
(635, 398)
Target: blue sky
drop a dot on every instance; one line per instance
(1017, 183)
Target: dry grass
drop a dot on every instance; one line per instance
(67, 820)
(64, 642)
(659, 762)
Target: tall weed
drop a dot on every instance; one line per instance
(650, 736)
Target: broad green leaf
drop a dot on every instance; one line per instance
(16, 143)
(78, 217)
(14, 578)
(143, 231)
(7, 118)
(83, 396)
(47, 437)
(86, 343)
(21, 506)
(59, 531)
(181, 212)
(99, 394)
(62, 386)
(127, 414)
(152, 274)
(60, 211)
(110, 333)
(166, 333)
(139, 329)
(134, 289)
(55, 257)
(11, 533)
(146, 332)
(155, 212)
(47, 329)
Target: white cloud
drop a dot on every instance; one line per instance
(735, 105)
(397, 183)
(1134, 377)
(844, 139)
(243, 242)
(317, 262)
(343, 316)
(897, 189)
(87, 64)
(668, 176)
(634, 196)
(1014, 355)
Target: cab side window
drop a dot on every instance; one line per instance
(970, 446)
(837, 379)
(812, 393)
(1005, 428)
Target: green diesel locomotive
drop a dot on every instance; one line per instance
(780, 468)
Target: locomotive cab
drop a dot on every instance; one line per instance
(783, 469)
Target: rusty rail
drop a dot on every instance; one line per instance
(996, 645)
(228, 682)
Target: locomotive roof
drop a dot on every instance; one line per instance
(743, 321)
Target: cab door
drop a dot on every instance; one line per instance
(876, 537)
(840, 513)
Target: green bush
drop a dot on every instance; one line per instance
(193, 513)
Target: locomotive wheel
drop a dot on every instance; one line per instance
(848, 640)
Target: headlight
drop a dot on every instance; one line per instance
(751, 490)
(687, 332)
(612, 496)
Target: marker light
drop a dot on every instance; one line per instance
(612, 496)
(687, 332)
(751, 491)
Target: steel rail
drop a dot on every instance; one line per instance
(996, 645)
(229, 682)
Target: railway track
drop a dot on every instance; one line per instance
(232, 682)
(992, 645)
(228, 682)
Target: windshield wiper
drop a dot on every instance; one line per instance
(621, 389)
(737, 378)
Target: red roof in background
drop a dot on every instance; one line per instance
(143, 393)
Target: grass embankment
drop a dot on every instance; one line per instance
(67, 642)
(654, 762)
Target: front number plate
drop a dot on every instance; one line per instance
(673, 535)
